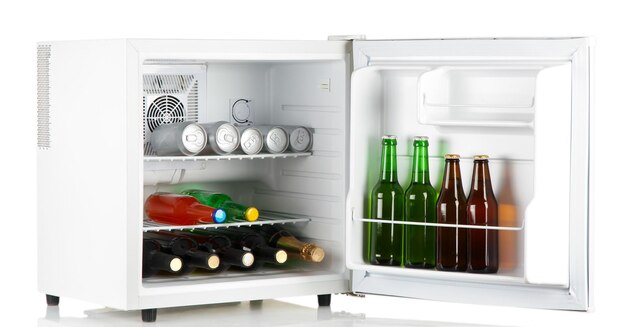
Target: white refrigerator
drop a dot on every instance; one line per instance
(524, 102)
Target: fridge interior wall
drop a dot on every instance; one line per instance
(307, 93)
(517, 113)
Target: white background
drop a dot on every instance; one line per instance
(22, 23)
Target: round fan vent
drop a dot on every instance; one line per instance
(164, 110)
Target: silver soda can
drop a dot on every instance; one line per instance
(275, 138)
(186, 138)
(222, 138)
(300, 138)
(251, 140)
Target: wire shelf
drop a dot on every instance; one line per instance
(225, 157)
(265, 218)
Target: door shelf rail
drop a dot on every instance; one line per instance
(265, 218)
(414, 223)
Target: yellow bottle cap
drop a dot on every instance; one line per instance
(481, 157)
(251, 214)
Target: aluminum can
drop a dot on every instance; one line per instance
(251, 140)
(222, 138)
(275, 138)
(300, 138)
(186, 138)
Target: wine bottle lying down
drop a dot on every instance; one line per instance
(283, 239)
(187, 249)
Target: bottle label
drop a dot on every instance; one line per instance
(379, 206)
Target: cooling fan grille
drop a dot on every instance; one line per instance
(171, 94)
(163, 110)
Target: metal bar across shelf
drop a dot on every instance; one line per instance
(414, 223)
(264, 219)
(225, 157)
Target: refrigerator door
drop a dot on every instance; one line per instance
(525, 103)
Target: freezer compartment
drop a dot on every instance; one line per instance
(471, 107)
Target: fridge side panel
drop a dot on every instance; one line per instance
(82, 175)
(134, 173)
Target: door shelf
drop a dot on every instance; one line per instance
(265, 218)
(501, 277)
(412, 223)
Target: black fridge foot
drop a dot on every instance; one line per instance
(52, 300)
(148, 315)
(323, 300)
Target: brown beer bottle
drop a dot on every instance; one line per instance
(482, 210)
(451, 209)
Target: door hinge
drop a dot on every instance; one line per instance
(346, 37)
(354, 294)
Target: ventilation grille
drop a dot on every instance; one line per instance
(163, 110)
(43, 96)
(192, 103)
(170, 98)
(172, 84)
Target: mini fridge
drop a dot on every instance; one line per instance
(524, 102)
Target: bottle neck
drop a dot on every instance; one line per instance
(420, 171)
(452, 177)
(305, 251)
(201, 212)
(481, 179)
(388, 164)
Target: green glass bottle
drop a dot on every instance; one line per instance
(386, 203)
(234, 211)
(420, 202)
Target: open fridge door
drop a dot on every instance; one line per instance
(525, 103)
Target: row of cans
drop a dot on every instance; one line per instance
(190, 138)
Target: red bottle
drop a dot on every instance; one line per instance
(177, 209)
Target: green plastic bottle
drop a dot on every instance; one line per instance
(420, 202)
(234, 211)
(386, 203)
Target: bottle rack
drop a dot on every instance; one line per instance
(413, 223)
(265, 218)
(506, 276)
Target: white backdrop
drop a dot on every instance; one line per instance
(25, 22)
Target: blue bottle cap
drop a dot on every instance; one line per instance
(219, 216)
